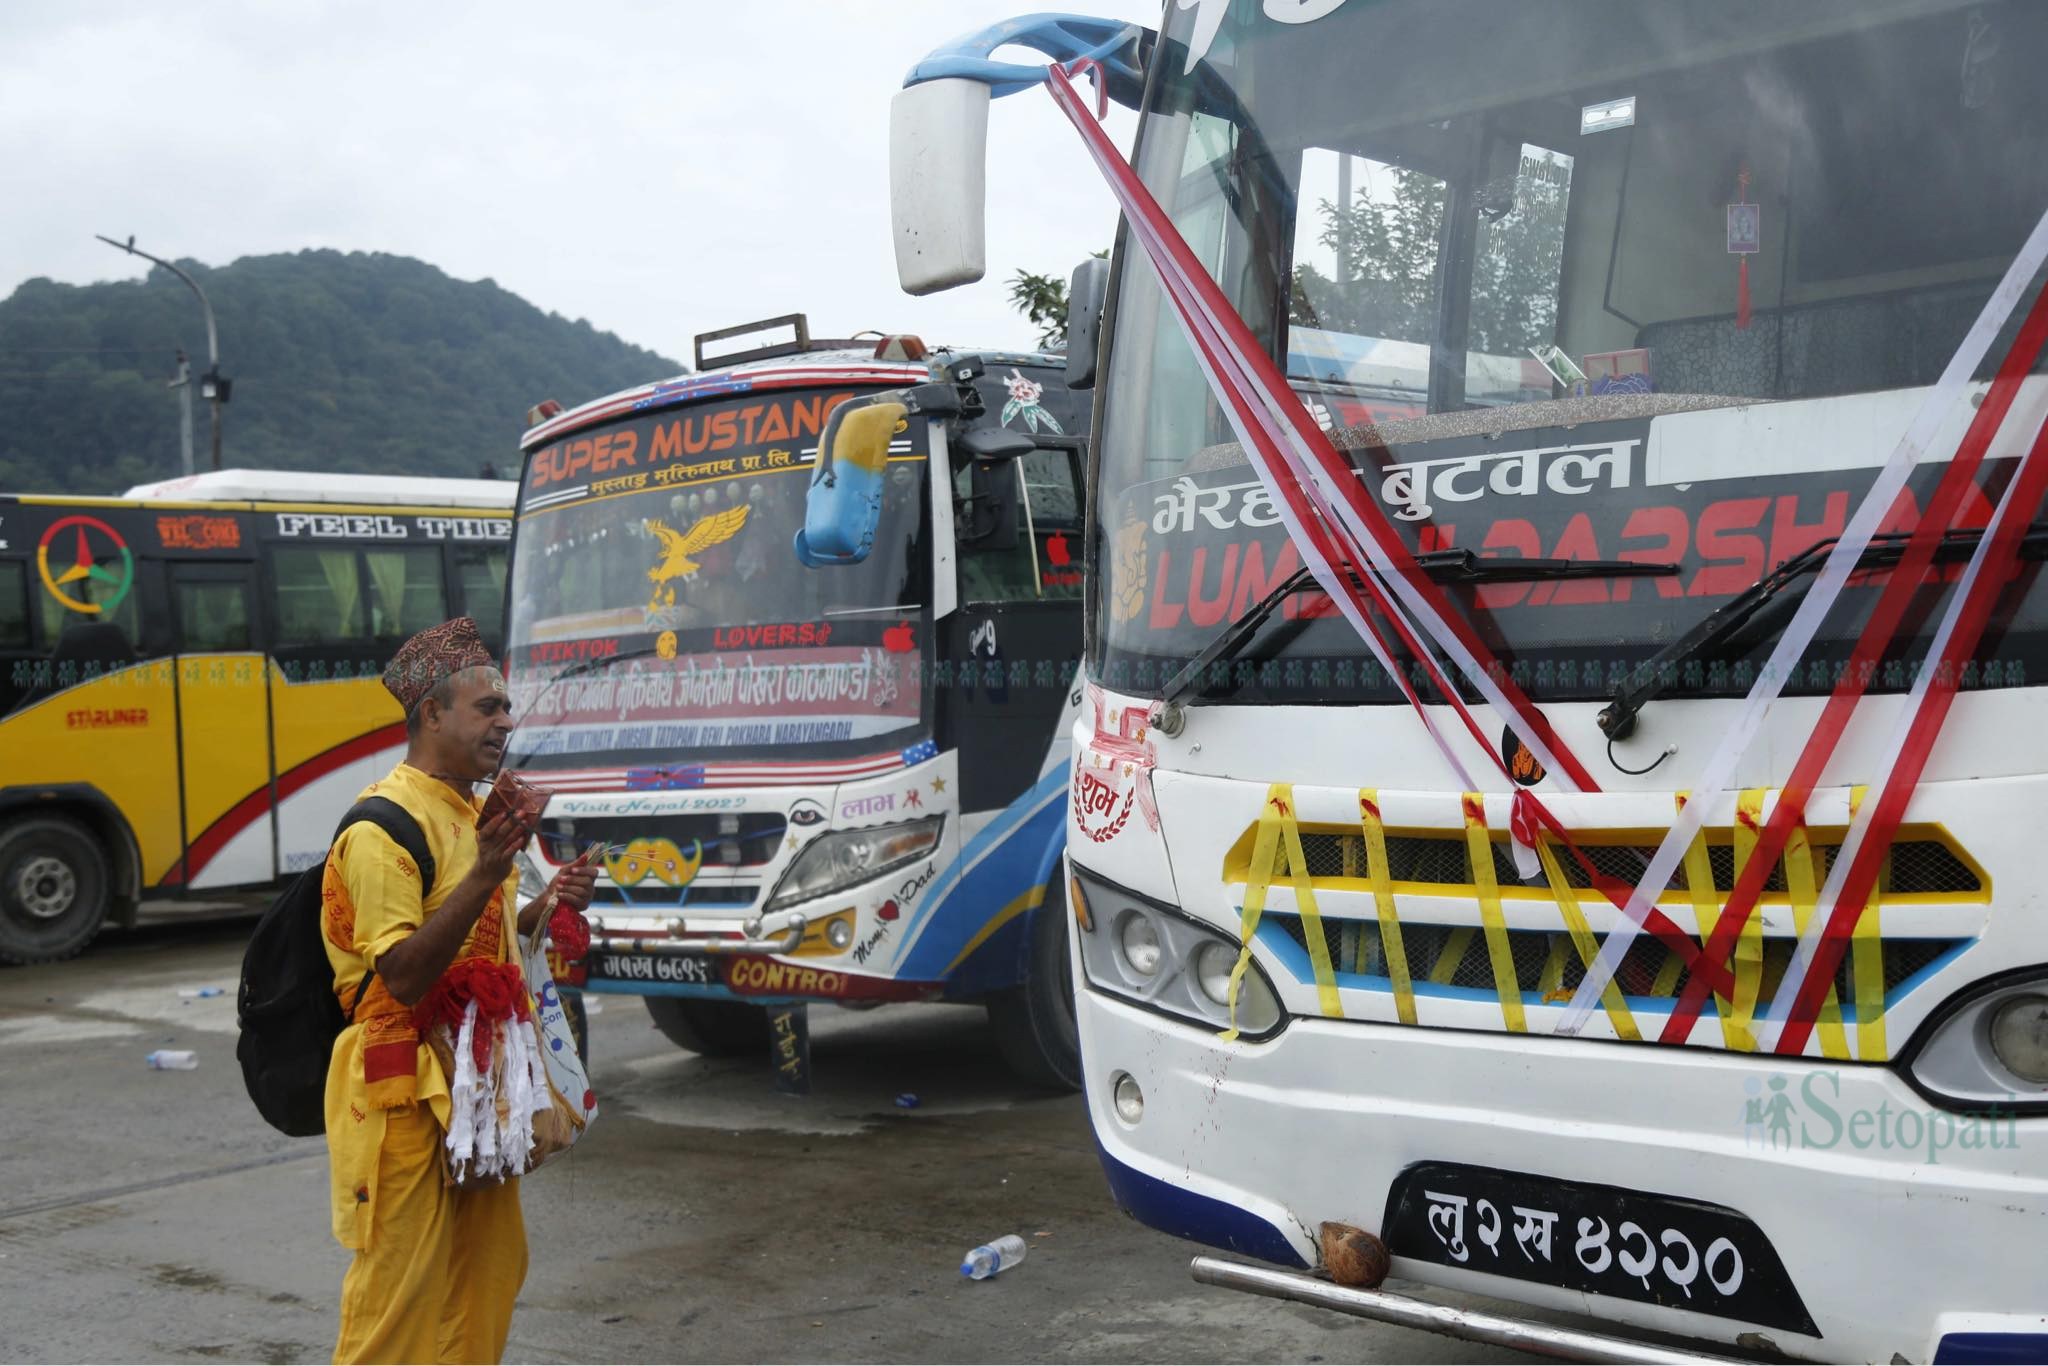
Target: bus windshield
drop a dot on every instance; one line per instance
(1650, 283)
(658, 604)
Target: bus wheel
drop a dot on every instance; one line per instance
(1034, 1023)
(716, 1029)
(53, 889)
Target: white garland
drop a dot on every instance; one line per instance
(490, 1113)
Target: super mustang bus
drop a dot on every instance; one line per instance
(805, 717)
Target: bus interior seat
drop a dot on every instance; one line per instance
(1899, 339)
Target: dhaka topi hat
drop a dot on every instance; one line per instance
(432, 656)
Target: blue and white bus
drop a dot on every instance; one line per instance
(815, 739)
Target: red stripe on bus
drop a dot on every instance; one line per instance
(247, 811)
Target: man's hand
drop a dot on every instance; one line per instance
(498, 842)
(572, 886)
(411, 966)
(576, 884)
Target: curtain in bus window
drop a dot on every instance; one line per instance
(482, 573)
(213, 616)
(319, 596)
(406, 591)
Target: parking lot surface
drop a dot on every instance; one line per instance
(150, 1215)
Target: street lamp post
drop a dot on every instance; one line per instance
(213, 386)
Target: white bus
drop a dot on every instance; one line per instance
(1794, 251)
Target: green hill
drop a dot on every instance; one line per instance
(356, 362)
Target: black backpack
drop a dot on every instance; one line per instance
(286, 1006)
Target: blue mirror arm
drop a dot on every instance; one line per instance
(1119, 48)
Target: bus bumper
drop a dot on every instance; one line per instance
(1900, 1235)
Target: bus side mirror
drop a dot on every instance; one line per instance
(989, 512)
(844, 502)
(938, 172)
(1087, 292)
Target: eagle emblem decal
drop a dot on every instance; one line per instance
(678, 546)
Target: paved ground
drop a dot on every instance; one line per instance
(152, 1216)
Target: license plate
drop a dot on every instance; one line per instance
(653, 967)
(1601, 1240)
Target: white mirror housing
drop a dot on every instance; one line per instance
(938, 183)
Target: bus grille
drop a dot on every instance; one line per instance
(1546, 963)
(1921, 863)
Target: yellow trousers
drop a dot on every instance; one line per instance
(441, 1267)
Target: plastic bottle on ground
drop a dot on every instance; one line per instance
(174, 1060)
(986, 1260)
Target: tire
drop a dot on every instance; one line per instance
(715, 1029)
(55, 889)
(1034, 1024)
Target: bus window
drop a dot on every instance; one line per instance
(107, 588)
(212, 616)
(319, 596)
(480, 572)
(13, 606)
(1045, 561)
(406, 591)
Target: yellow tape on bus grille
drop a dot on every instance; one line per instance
(1749, 948)
(1377, 869)
(1277, 828)
(1706, 907)
(1867, 963)
(1480, 850)
(1799, 886)
(1582, 939)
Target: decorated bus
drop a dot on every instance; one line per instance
(791, 639)
(1581, 838)
(189, 693)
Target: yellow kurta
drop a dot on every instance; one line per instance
(436, 1271)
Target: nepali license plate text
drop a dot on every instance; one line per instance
(1602, 1240)
(653, 967)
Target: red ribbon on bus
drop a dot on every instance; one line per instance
(1902, 583)
(1990, 571)
(1252, 390)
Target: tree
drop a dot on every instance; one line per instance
(1042, 299)
(1385, 251)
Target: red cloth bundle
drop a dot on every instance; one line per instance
(570, 933)
(499, 990)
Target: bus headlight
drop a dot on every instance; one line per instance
(2019, 1037)
(846, 858)
(1140, 943)
(1153, 955)
(1987, 1048)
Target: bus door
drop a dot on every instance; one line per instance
(1013, 643)
(339, 609)
(225, 752)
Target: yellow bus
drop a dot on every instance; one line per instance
(189, 692)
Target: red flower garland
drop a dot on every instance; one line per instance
(498, 989)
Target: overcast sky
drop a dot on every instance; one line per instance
(660, 169)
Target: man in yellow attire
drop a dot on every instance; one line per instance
(436, 1270)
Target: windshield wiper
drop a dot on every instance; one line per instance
(1650, 678)
(1449, 566)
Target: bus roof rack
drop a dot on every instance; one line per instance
(301, 486)
(802, 341)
